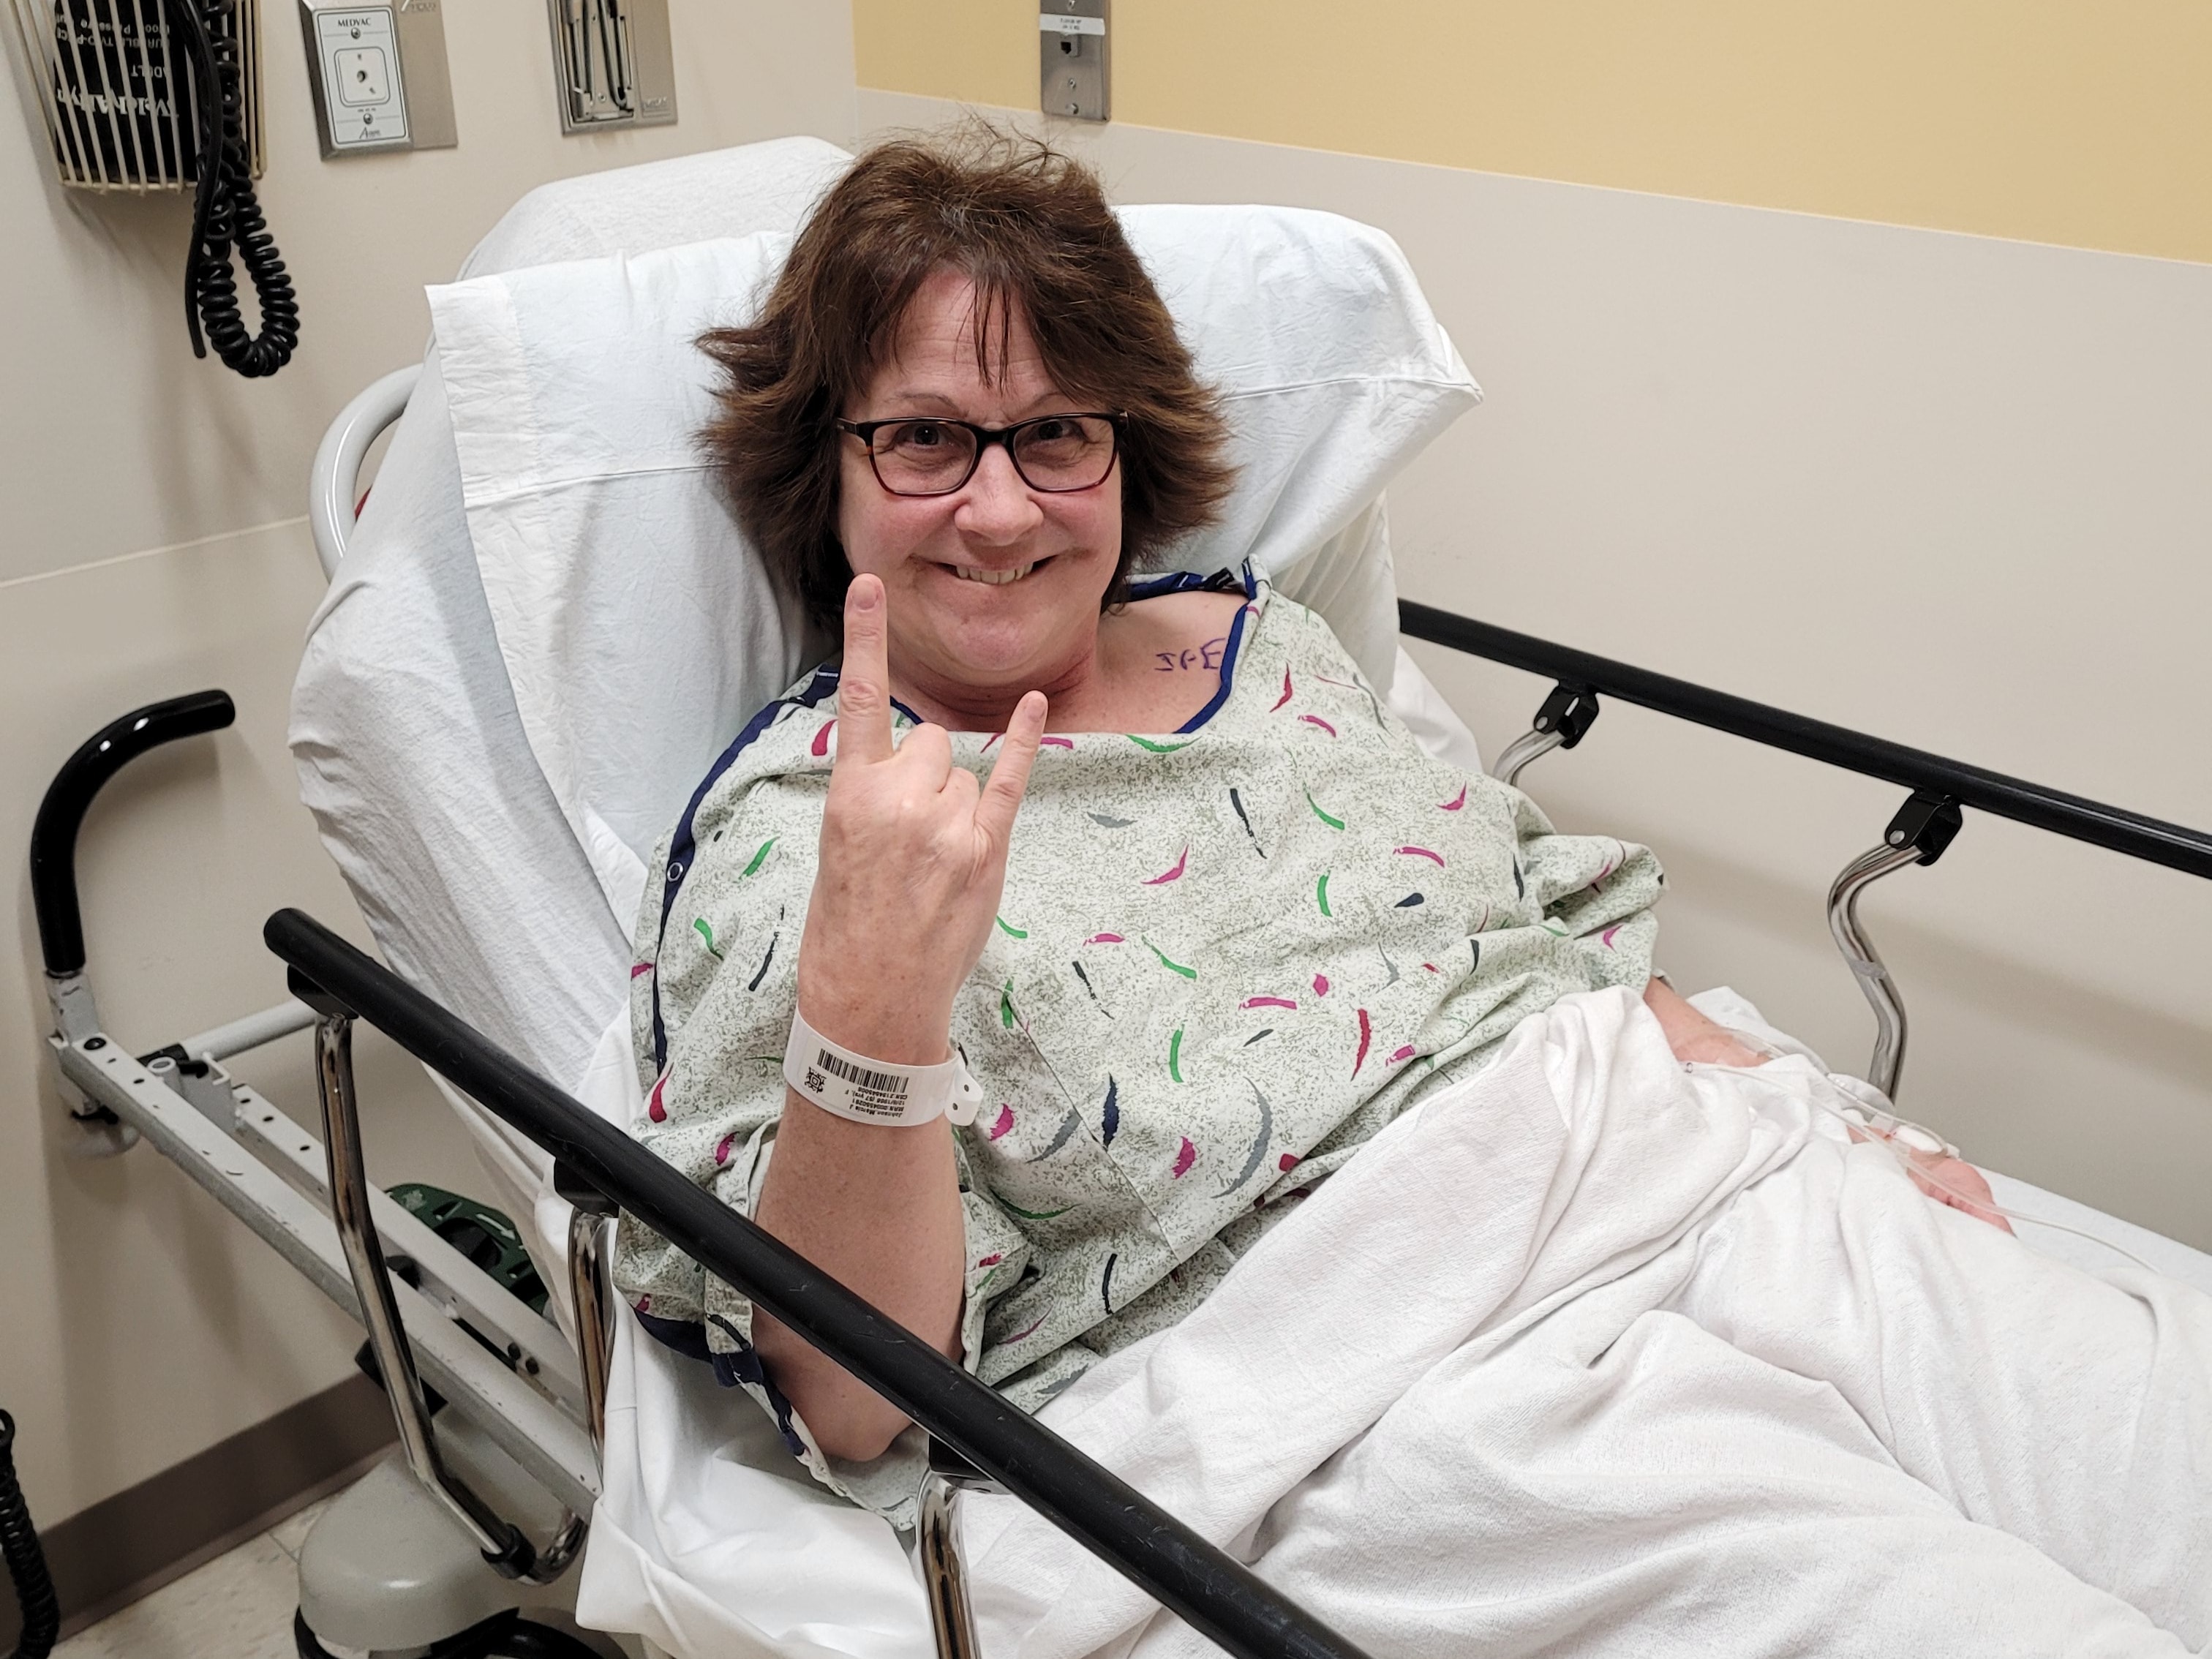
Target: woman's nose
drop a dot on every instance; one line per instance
(996, 506)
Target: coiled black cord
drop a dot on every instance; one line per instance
(226, 217)
(26, 1562)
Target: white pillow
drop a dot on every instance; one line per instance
(639, 628)
(412, 750)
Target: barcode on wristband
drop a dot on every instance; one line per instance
(890, 1084)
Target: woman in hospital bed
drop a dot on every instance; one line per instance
(1201, 920)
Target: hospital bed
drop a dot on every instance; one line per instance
(491, 761)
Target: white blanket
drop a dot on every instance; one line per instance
(1591, 1354)
(1596, 1354)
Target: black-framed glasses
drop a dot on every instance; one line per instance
(929, 455)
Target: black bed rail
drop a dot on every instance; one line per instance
(1216, 1596)
(2110, 827)
(81, 776)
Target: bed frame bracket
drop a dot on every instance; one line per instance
(590, 1288)
(1924, 826)
(1566, 716)
(944, 1570)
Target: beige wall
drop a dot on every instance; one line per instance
(1945, 489)
(153, 544)
(2047, 120)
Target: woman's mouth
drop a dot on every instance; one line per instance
(1013, 573)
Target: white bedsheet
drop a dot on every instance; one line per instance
(1594, 1354)
(1480, 1395)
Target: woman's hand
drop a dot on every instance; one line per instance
(1956, 1184)
(1691, 1036)
(912, 859)
(914, 854)
(1949, 1181)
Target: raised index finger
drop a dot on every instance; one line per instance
(864, 683)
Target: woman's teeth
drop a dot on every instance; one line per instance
(969, 573)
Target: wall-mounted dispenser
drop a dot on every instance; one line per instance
(145, 95)
(612, 63)
(378, 76)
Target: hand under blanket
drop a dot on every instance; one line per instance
(1594, 1353)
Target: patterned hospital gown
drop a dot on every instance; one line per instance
(1226, 958)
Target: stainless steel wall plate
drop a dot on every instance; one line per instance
(378, 76)
(612, 63)
(1072, 78)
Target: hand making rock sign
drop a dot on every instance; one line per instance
(913, 857)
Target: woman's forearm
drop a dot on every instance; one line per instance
(911, 863)
(1690, 1035)
(878, 1209)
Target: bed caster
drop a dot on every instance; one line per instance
(503, 1636)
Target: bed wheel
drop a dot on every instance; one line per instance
(503, 1636)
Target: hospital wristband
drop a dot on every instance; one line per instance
(852, 1085)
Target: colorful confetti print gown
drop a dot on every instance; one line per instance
(1226, 958)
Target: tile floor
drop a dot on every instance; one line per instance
(239, 1606)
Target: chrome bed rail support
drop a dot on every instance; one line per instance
(590, 1290)
(943, 1568)
(1866, 964)
(1566, 716)
(1923, 827)
(504, 1546)
(1918, 835)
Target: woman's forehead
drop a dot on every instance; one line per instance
(957, 342)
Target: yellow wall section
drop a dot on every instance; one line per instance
(2047, 120)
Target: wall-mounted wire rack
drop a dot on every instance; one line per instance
(120, 109)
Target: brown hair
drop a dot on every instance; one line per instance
(1031, 229)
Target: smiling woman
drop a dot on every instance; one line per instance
(1029, 276)
(993, 508)
(961, 422)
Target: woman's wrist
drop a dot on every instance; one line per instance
(874, 1019)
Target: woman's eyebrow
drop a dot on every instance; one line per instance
(913, 398)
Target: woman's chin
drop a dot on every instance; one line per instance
(994, 656)
(990, 635)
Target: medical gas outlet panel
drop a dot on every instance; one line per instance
(380, 77)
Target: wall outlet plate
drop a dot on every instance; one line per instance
(1072, 79)
(612, 65)
(378, 76)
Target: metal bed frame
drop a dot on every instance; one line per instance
(508, 1371)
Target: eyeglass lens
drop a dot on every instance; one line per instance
(934, 457)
